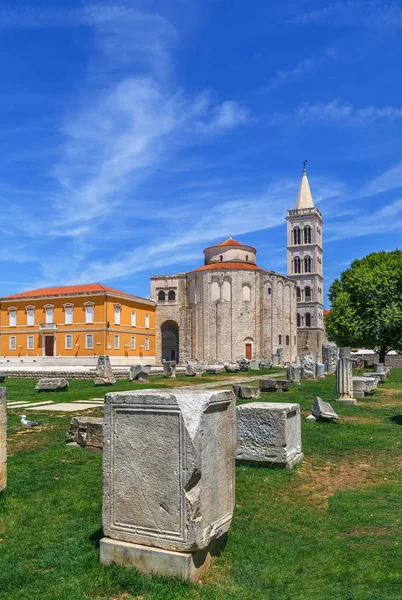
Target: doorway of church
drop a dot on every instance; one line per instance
(170, 341)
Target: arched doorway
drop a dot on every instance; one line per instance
(170, 341)
(248, 348)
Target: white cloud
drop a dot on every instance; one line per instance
(336, 111)
(389, 180)
(303, 68)
(367, 13)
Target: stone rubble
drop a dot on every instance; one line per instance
(169, 369)
(323, 411)
(86, 432)
(52, 384)
(274, 385)
(140, 372)
(246, 391)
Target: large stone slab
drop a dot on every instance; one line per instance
(52, 384)
(64, 407)
(86, 432)
(274, 385)
(319, 370)
(246, 391)
(364, 386)
(323, 411)
(214, 369)
(3, 438)
(168, 469)
(269, 434)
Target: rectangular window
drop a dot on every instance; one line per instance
(89, 341)
(133, 318)
(89, 314)
(69, 341)
(30, 317)
(146, 321)
(132, 342)
(146, 343)
(30, 342)
(49, 315)
(116, 342)
(117, 311)
(69, 315)
(13, 318)
(13, 342)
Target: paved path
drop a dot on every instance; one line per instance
(230, 382)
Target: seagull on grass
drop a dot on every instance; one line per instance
(27, 423)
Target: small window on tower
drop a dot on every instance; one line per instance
(221, 257)
(246, 257)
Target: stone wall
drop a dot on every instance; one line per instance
(393, 360)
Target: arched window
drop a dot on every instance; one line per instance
(307, 235)
(246, 293)
(161, 295)
(308, 320)
(246, 257)
(297, 265)
(298, 320)
(268, 291)
(298, 295)
(221, 257)
(287, 340)
(280, 340)
(226, 290)
(307, 293)
(215, 291)
(296, 236)
(172, 295)
(307, 264)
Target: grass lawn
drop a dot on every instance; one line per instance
(330, 529)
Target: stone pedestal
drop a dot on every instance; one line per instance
(364, 386)
(104, 371)
(319, 369)
(378, 367)
(3, 438)
(269, 434)
(168, 478)
(194, 369)
(294, 373)
(254, 365)
(275, 360)
(169, 369)
(330, 357)
(344, 383)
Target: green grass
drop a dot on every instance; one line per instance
(329, 529)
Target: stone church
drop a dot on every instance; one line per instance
(230, 308)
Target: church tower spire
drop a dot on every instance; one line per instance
(304, 251)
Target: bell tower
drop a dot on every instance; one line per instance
(304, 262)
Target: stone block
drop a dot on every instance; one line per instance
(380, 377)
(168, 470)
(232, 367)
(86, 432)
(194, 369)
(52, 384)
(214, 369)
(344, 384)
(169, 369)
(280, 354)
(104, 380)
(378, 367)
(363, 386)
(319, 369)
(329, 357)
(246, 391)
(269, 434)
(254, 365)
(274, 385)
(3, 438)
(265, 364)
(294, 372)
(139, 372)
(275, 360)
(311, 419)
(308, 366)
(323, 411)
(344, 352)
(244, 364)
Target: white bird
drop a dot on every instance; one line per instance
(27, 423)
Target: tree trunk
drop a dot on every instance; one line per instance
(382, 354)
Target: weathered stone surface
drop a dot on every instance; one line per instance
(3, 438)
(344, 384)
(274, 385)
(280, 354)
(86, 432)
(168, 467)
(52, 384)
(318, 356)
(2, 377)
(244, 364)
(275, 360)
(363, 386)
(344, 352)
(323, 411)
(232, 367)
(308, 366)
(246, 391)
(319, 369)
(269, 433)
(330, 357)
(266, 364)
(104, 380)
(169, 369)
(214, 369)
(378, 367)
(254, 365)
(311, 419)
(139, 372)
(380, 377)
(194, 369)
(294, 372)
(104, 368)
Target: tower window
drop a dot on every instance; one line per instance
(296, 236)
(298, 320)
(307, 264)
(287, 340)
(172, 295)
(279, 339)
(307, 235)
(246, 257)
(307, 293)
(297, 265)
(298, 295)
(161, 296)
(308, 320)
(221, 257)
(269, 291)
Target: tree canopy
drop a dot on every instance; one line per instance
(366, 304)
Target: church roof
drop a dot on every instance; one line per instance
(230, 242)
(304, 197)
(228, 265)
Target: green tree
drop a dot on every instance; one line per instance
(366, 304)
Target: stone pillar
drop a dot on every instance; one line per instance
(329, 357)
(3, 438)
(344, 352)
(294, 372)
(344, 381)
(319, 369)
(275, 360)
(168, 479)
(378, 367)
(169, 369)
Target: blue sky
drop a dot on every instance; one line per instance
(136, 134)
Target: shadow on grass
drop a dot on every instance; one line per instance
(397, 419)
(96, 537)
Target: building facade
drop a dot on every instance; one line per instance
(78, 321)
(226, 310)
(305, 266)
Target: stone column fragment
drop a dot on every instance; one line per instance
(168, 479)
(3, 438)
(344, 381)
(169, 369)
(294, 372)
(330, 357)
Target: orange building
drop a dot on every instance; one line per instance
(77, 321)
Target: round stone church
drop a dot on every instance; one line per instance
(225, 310)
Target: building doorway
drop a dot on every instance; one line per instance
(49, 345)
(248, 348)
(170, 341)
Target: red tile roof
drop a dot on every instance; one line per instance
(228, 265)
(230, 242)
(326, 312)
(67, 290)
